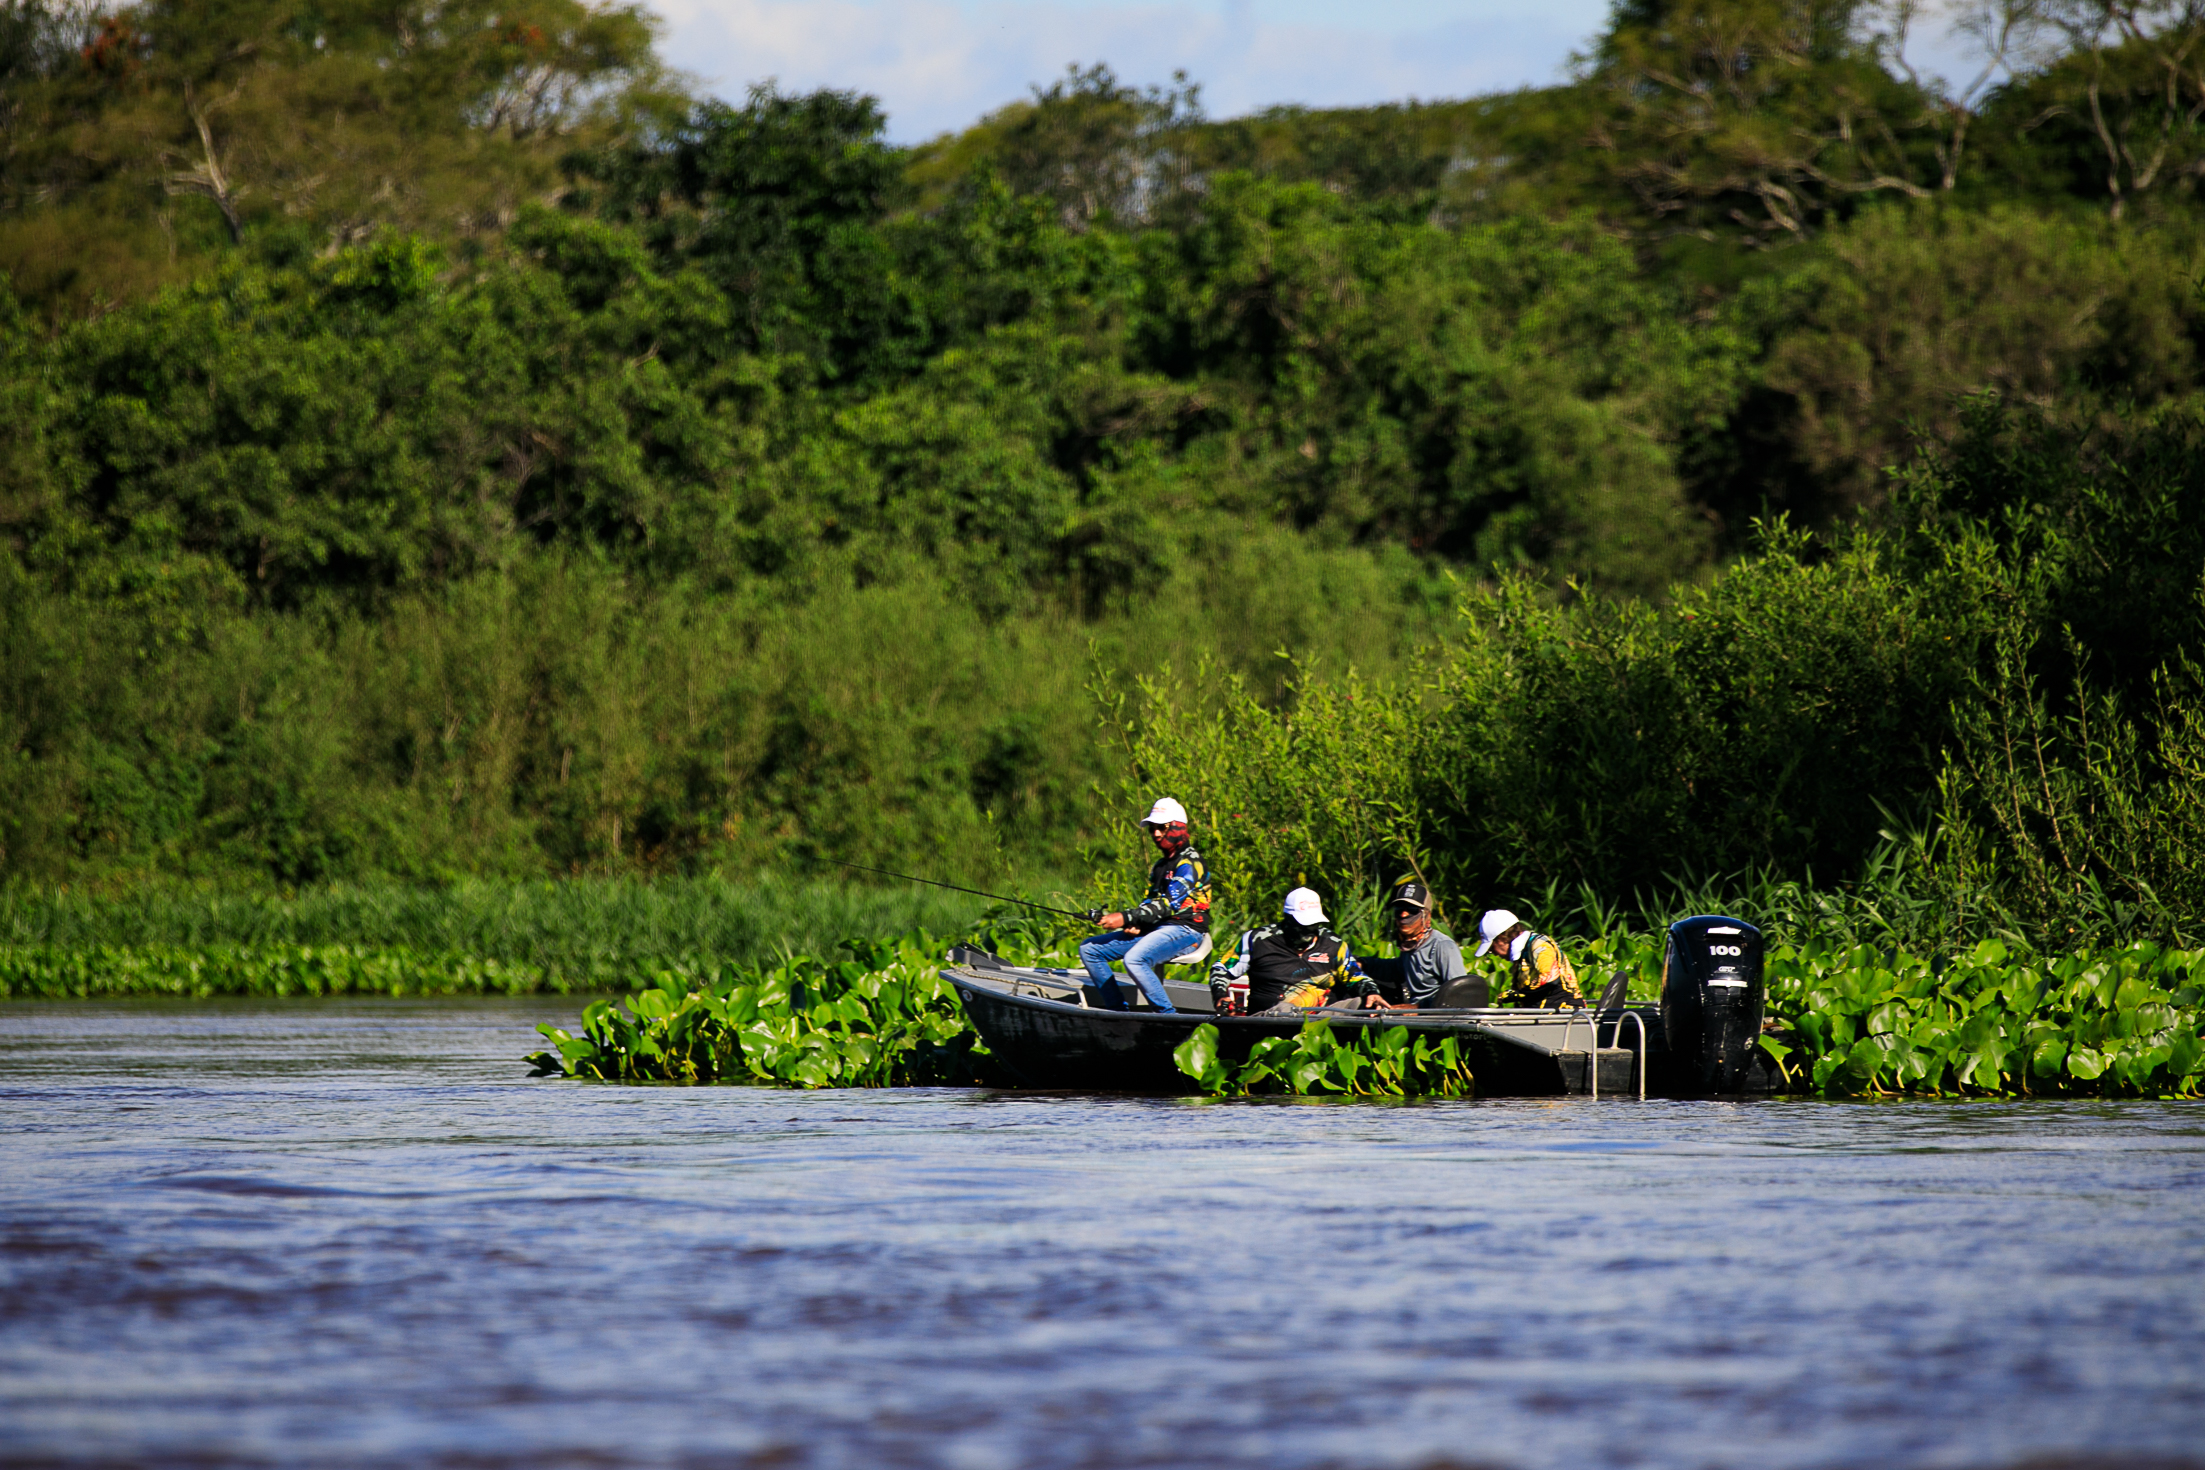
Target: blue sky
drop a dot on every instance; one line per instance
(940, 64)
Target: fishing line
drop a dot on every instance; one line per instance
(960, 888)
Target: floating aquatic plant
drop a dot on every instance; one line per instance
(883, 1017)
(197, 972)
(1373, 1061)
(2115, 1022)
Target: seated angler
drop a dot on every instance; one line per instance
(1292, 966)
(1432, 972)
(1163, 926)
(1539, 974)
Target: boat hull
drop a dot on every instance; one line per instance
(1035, 1026)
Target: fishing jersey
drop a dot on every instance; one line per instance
(1277, 969)
(1541, 976)
(1178, 893)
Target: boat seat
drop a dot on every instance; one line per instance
(1464, 992)
(1193, 956)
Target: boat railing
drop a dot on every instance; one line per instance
(1592, 1053)
(1640, 1022)
(1592, 1049)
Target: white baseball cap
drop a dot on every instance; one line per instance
(1165, 812)
(1303, 907)
(1491, 927)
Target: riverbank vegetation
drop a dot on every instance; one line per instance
(269, 971)
(635, 484)
(472, 937)
(569, 935)
(1983, 717)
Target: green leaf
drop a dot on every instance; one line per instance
(1197, 1056)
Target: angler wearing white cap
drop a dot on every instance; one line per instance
(1293, 965)
(1541, 975)
(1166, 924)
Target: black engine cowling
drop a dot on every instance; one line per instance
(1711, 995)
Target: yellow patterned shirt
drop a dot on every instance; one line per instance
(1541, 976)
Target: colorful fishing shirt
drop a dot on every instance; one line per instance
(1541, 975)
(1178, 893)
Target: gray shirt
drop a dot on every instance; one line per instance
(1428, 967)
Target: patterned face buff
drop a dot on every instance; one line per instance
(1171, 837)
(1412, 925)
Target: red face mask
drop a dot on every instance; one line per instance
(1169, 837)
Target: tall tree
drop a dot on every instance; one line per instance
(184, 124)
(2139, 70)
(1755, 118)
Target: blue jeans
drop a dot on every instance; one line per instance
(1141, 957)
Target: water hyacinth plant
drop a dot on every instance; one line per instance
(1845, 1021)
(882, 1017)
(2121, 1022)
(580, 934)
(199, 972)
(1859, 1020)
(1377, 1061)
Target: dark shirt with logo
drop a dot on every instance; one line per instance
(1280, 964)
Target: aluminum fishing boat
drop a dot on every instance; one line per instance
(1699, 1041)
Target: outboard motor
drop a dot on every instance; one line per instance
(1711, 1003)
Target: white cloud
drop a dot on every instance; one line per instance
(938, 65)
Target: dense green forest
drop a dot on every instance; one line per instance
(438, 445)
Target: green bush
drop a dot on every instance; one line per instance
(564, 718)
(1752, 723)
(1985, 720)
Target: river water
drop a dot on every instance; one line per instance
(352, 1233)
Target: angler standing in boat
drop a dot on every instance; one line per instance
(1164, 925)
(1292, 965)
(1540, 973)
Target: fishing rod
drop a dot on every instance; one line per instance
(1089, 917)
